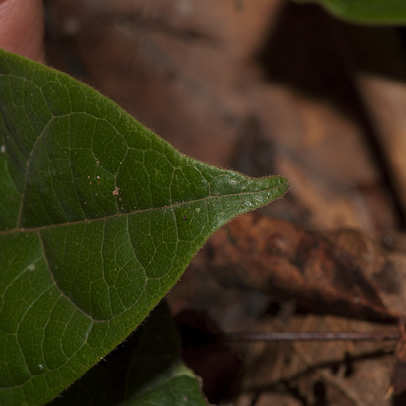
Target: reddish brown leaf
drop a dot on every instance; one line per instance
(285, 260)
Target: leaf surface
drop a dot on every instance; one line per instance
(366, 11)
(98, 219)
(145, 370)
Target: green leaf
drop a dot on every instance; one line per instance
(98, 219)
(145, 370)
(366, 11)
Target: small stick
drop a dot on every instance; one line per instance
(314, 336)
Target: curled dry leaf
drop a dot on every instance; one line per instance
(282, 259)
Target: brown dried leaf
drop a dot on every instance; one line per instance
(279, 258)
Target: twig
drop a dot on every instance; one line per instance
(313, 336)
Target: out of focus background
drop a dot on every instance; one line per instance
(268, 87)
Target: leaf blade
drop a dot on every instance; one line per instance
(113, 214)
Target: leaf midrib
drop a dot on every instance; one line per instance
(116, 215)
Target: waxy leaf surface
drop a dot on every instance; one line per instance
(98, 219)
